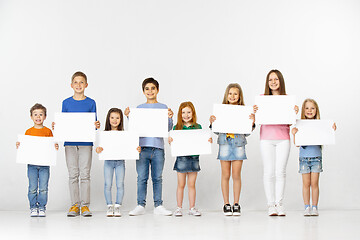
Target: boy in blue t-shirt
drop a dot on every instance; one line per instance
(79, 154)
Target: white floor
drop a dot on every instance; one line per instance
(212, 225)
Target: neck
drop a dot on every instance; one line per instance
(275, 92)
(188, 124)
(151, 101)
(113, 128)
(38, 126)
(79, 96)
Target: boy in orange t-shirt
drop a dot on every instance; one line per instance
(38, 175)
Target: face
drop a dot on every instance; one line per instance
(38, 117)
(79, 84)
(233, 96)
(310, 110)
(186, 114)
(150, 91)
(114, 120)
(274, 82)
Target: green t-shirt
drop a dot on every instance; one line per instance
(194, 126)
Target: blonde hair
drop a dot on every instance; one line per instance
(237, 86)
(317, 115)
(180, 124)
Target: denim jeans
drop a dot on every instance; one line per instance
(153, 158)
(38, 185)
(111, 166)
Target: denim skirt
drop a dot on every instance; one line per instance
(186, 164)
(230, 152)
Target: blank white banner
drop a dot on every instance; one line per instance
(118, 145)
(75, 127)
(314, 132)
(149, 122)
(190, 142)
(36, 150)
(232, 119)
(275, 109)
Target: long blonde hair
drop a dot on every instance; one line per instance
(180, 124)
(241, 97)
(317, 115)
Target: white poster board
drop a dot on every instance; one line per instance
(36, 150)
(149, 122)
(118, 145)
(232, 119)
(190, 142)
(314, 132)
(275, 109)
(75, 127)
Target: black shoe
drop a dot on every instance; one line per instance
(236, 209)
(227, 210)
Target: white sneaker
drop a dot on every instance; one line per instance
(314, 211)
(178, 212)
(41, 212)
(110, 211)
(33, 212)
(280, 210)
(139, 210)
(307, 212)
(161, 210)
(117, 212)
(193, 211)
(272, 211)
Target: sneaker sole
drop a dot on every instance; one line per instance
(228, 214)
(273, 214)
(237, 214)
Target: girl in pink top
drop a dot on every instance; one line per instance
(275, 148)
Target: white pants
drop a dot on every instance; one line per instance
(275, 154)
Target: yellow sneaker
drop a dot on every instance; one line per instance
(74, 211)
(85, 212)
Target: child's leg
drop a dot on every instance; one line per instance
(72, 163)
(267, 148)
(225, 177)
(120, 175)
(191, 188)
(181, 177)
(85, 159)
(306, 188)
(33, 176)
(44, 174)
(142, 169)
(314, 177)
(236, 176)
(282, 155)
(157, 166)
(108, 179)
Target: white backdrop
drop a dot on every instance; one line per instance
(194, 48)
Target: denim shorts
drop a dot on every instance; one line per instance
(230, 152)
(186, 164)
(310, 164)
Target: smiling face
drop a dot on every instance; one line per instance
(115, 120)
(79, 84)
(310, 110)
(233, 96)
(274, 82)
(187, 116)
(38, 116)
(150, 92)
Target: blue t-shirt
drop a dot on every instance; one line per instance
(310, 151)
(156, 142)
(72, 105)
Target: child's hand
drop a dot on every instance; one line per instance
(138, 149)
(17, 145)
(252, 116)
(294, 131)
(296, 108)
(210, 140)
(255, 108)
(212, 119)
(97, 124)
(99, 149)
(56, 146)
(170, 140)
(334, 126)
(53, 126)
(127, 111)
(170, 113)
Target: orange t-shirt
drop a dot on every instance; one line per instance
(40, 132)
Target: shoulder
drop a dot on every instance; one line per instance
(88, 99)
(69, 99)
(198, 126)
(161, 105)
(28, 132)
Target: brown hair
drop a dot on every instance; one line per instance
(180, 124)
(37, 106)
(79, 74)
(281, 79)
(107, 123)
(241, 97)
(317, 115)
(150, 80)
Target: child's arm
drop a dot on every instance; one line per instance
(99, 149)
(138, 149)
(252, 116)
(170, 140)
(97, 124)
(210, 140)
(255, 108)
(294, 131)
(127, 111)
(17, 145)
(296, 108)
(334, 126)
(56, 146)
(170, 122)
